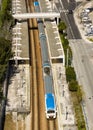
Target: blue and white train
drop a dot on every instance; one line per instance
(50, 104)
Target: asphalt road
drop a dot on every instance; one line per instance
(72, 30)
(83, 65)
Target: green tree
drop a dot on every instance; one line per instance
(62, 26)
(5, 13)
(73, 85)
(79, 94)
(70, 74)
(5, 44)
(5, 55)
(5, 51)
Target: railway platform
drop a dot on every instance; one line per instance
(65, 111)
(20, 43)
(18, 97)
(54, 43)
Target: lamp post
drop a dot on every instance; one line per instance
(63, 91)
(66, 113)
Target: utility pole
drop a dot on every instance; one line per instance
(67, 58)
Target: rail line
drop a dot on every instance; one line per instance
(34, 96)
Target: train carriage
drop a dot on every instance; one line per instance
(50, 105)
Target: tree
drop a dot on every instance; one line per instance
(5, 51)
(73, 85)
(70, 74)
(79, 94)
(5, 55)
(62, 26)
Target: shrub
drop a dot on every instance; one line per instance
(62, 26)
(73, 85)
(70, 74)
(79, 94)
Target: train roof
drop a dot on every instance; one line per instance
(44, 49)
(36, 3)
(48, 83)
(50, 102)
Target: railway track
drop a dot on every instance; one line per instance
(34, 96)
(38, 119)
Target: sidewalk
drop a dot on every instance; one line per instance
(65, 113)
(78, 21)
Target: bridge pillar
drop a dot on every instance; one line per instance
(57, 20)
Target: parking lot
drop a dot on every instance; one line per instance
(84, 20)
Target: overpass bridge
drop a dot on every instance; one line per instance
(36, 15)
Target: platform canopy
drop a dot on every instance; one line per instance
(36, 15)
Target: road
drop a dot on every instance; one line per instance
(82, 61)
(72, 30)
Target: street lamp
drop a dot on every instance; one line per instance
(66, 113)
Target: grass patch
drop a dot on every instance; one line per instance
(90, 39)
(78, 111)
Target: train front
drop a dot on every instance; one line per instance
(50, 106)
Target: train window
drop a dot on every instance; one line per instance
(51, 111)
(47, 70)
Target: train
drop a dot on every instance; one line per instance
(50, 103)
